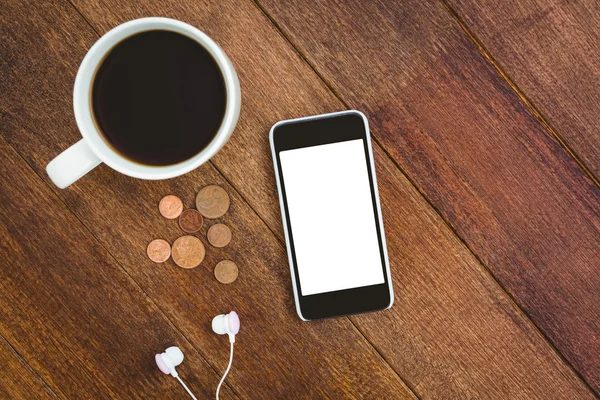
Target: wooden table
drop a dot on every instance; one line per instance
(486, 125)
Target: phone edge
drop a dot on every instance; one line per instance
(284, 219)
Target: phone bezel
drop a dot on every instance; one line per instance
(313, 131)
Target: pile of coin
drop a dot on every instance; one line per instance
(188, 251)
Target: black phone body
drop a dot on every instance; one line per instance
(331, 215)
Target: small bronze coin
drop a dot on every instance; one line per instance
(190, 221)
(159, 250)
(188, 251)
(212, 201)
(219, 235)
(226, 271)
(170, 206)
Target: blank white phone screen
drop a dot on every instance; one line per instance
(331, 217)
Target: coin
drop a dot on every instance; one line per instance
(188, 251)
(190, 221)
(159, 250)
(212, 201)
(170, 206)
(219, 235)
(226, 271)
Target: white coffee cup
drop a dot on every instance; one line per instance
(93, 149)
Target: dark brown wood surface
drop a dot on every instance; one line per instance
(468, 141)
(454, 332)
(550, 50)
(18, 380)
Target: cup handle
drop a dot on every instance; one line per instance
(72, 164)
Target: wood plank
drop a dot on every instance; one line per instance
(277, 356)
(474, 149)
(450, 319)
(69, 309)
(449, 308)
(18, 380)
(550, 50)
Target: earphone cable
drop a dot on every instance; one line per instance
(226, 371)
(186, 388)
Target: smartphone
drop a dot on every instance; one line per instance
(331, 215)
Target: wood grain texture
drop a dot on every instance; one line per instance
(277, 356)
(551, 50)
(449, 308)
(453, 333)
(18, 381)
(69, 310)
(469, 143)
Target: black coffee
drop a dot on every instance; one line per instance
(159, 98)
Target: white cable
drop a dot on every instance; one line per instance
(186, 388)
(226, 371)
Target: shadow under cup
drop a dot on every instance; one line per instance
(158, 98)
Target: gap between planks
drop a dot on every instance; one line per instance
(549, 129)
(33, 372)
(529, 105)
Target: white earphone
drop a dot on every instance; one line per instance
(221, 324)
(168, 360)
(226, 324)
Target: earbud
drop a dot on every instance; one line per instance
(173, 356)
(227, 324)
(168, 360)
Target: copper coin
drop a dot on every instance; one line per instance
(219, 235)
(190, 221)
(212, 201)
(226, 271)
(170, 206)
(159, 250)
(188, 251)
